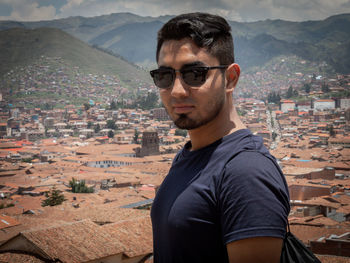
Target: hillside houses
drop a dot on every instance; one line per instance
(42, 149)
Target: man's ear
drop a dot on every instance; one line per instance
(232, 75)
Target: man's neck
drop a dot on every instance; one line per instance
(225, 123)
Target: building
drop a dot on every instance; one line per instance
(3, 129)
(128, 241)
(111, 162)
(345, 103)
(333, 245)
(340, 141)
(304, 106)
(160, 114)
(327, 173)
(304, 191)
(150, 143)
(324, 104)
(34, 135)
(287, 105)
(49, 122)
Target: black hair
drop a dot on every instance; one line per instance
(206, 30)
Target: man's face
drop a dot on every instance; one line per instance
(191, 108)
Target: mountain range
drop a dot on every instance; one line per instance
(134, 37)
(22, 47)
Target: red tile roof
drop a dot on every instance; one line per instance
(135, 235)
(325, 100)
(17, 257)
(7, 221)
(74, 242)
(308, 233)
(333, 259)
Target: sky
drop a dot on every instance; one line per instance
(235, 10)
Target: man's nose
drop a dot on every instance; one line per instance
(179, 88)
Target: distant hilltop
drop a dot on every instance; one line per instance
(25, 47)
(134, 37)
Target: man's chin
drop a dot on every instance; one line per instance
(185, 123)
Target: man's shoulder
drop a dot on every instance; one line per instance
(251, 167)
(252, 159)
(244, 144)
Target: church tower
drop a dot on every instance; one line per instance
(150, 143)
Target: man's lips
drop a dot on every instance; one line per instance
(183, 108)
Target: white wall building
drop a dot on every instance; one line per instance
(287, 105)
(108, 163)
(344, 103)
(304, 106)
(324, 104)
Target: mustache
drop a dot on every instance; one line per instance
(174, 101)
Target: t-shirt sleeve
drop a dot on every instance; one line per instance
(253, 198)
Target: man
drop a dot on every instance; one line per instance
(225, 198)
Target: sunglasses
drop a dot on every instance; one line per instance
(193, 76)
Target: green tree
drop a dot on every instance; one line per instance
(151, 100)
(113, 105)
(111, 125)
(307, 87)
(89, 124)
(79, 186)
(325, 88)
(47, 106)
(241, 112)
(147, 102)
(97, 128)
(87, 106)
(278, 98)
(136, 136)
(2, 205)
(110, 134)
(331, 131)
(273, 97)
(290, 92)
(180, 132)
(274, 135)
(53, 197)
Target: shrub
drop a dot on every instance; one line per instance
(2, 205)
(53, 197)
(79, 186)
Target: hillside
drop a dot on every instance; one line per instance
(327, 40)
(20, 47)
(133, 37)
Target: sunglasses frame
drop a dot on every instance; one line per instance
(182, 71)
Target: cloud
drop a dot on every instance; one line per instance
(28, 11)
(145, 7)
(236, 10)
(296, 10)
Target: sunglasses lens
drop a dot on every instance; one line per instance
(162, 78)
(195, 76)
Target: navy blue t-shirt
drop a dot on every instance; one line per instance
(229, 190)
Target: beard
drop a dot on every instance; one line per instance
(187, 123)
